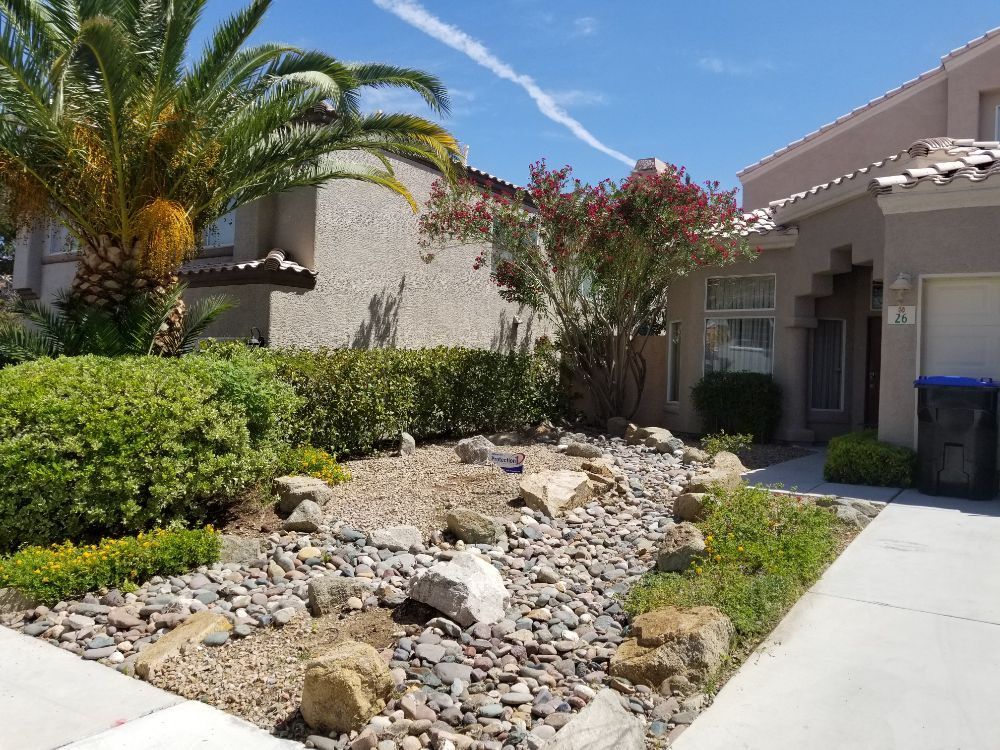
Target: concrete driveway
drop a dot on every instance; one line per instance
(896, 646)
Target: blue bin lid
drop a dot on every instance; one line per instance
(954, 381)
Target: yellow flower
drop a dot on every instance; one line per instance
(709, 538)
(718, 557)
(740, 548)
(697, 571)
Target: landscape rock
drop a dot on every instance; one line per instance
(852, 516)
(724, 471)
(239, 549)
(603, 725)
(306, 517)
(661, 439)
(691, 506)
(616, 427)
(682, 543)
(397, 538)
(345, 687)
(407, 445)
(552, 492)
(330, 594)
(671, 642)
(193, 630)
(292, 490)
(466, 589)
(475, 450)
(473, 527)
(584, 450)
(13, 601)
(691, 455)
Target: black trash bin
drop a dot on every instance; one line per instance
(957, 436)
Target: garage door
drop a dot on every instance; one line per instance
(961, 327)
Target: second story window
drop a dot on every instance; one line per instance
(221, 234)
(59, 240)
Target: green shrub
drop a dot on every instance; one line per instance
(859, 458)
(723, 441)
(60, 572)
(762, 551)
(315, 462)
(355, 400)
(738, 402)
(91, 446)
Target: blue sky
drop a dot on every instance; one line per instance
(711, 85)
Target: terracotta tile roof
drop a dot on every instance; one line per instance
(964, 159)
(939, 70)
(274, 268)
(843, 179)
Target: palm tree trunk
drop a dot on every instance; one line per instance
(108, 274)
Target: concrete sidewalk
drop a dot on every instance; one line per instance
(50, 698)
(806, 475)
(896, 646)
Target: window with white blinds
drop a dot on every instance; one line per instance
(739, 345)
(740, 293)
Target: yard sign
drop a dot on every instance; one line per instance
(512, 463)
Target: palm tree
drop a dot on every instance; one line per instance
(109, 123)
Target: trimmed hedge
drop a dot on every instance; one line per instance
(60, 572)
(355, 400)
(91, 446)
(859, 458)
(738, 402)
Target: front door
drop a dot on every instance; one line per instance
(873, 370)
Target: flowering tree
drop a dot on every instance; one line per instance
(597, 260)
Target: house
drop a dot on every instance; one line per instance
(335, 266)
(880, 261)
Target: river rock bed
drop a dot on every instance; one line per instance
(511, 684)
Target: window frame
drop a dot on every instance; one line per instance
(58, 234)
(774, 295)
(843, 368)
(220, 248)
(673, 358)
(704, 340)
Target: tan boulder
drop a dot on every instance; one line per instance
(191, 631)
(724, 472)
(551, 492)
(691, 506)
(682, 543)
(682, 645)
(345, 687)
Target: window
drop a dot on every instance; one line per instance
(740, 293)
(739, 344)
(826, 370)
(876, 303)
(59, 240)
(674, 361)
(222, 232)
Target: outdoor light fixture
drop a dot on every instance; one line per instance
(901, 286)
(256, 338)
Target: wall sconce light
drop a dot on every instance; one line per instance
(900, 287)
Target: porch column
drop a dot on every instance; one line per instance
(791, 369)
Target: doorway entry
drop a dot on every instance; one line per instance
(873, 370)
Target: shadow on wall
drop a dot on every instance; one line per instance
(382, 326)
(513, 333)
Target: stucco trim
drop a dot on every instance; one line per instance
(940, 198)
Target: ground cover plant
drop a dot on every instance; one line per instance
(62, 571)
(723, 441)
(93, 446)
(762, 551)
(315, 462)
(860, 458)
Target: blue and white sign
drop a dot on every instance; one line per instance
(512, 463)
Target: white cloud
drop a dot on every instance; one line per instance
(723, 67)
(585, 26)
(578, 98)
(417, 16)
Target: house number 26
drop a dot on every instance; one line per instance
(904, 315)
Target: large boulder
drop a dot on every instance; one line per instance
(551, 492)
(306, 517)
(397, 538)
(661, 439)
(692, 455)
(682, 543)
(724, 472)
(329, 594)
(682, 645)
(475, 450)
(584, 450)
(473, 527)
(292, 490)
(193, 631)
(466, 589)
(240, 549)
(603, 725)
(691, 506)
(345, 688)
(407, 445)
